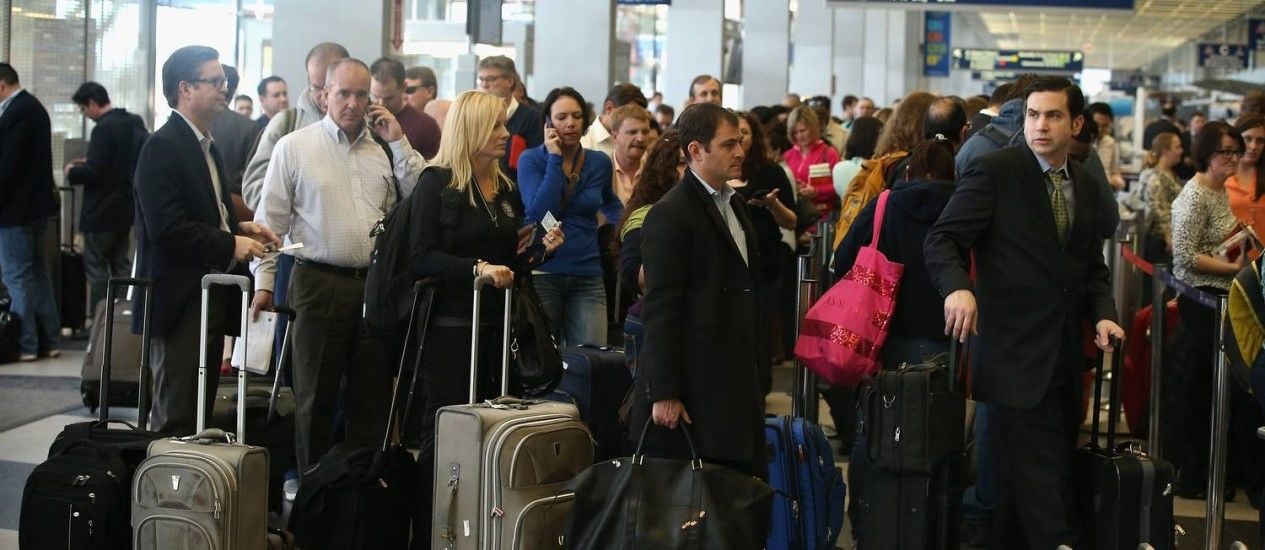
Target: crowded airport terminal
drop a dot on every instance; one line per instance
(632, 274)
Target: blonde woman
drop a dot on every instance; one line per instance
(1160, 187)
(467, 220)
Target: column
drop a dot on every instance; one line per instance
(765, 52)
(574, 46)
(695, 46)
(849, 54)
(811, 61)
(300, 24)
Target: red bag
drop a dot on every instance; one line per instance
(843, 332)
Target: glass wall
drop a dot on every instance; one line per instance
(645, 28)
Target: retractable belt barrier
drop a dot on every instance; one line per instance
(1162, 278)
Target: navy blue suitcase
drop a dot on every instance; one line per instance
(808, 514)
(596, 379)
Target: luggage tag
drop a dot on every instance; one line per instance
(549, 222)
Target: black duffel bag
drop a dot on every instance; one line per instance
(642, 502)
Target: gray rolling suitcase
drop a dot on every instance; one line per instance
(204, 491)
(502, 466)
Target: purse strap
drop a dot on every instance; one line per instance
(639, 457)
(879, 213)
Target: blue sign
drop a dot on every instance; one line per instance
(1018, 60)
(1072, 4)
(1255, 33)
(1227, 57)
(937, 28)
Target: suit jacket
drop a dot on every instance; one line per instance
(1033, 293)
(701, 318)
(106, 177)
(234, 136)
(27, 189)
(178, 234)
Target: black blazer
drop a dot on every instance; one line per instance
(178, 235)
(106, 177)
(27, 190)
(701, 318)
(1033, 294)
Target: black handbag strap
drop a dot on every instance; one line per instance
(639, 457)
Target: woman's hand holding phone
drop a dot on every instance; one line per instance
(553, 143)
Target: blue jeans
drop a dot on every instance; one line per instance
(576, 307)
(22, 267)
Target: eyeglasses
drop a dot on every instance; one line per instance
(490, 79)
(1228, 153)
(220, 83)
(410, 90)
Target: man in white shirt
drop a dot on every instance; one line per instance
(599, 137)
(327, 185)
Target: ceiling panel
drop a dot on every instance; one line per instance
(1127, 40)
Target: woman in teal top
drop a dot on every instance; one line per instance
(572, 184)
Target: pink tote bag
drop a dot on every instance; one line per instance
(840, 337)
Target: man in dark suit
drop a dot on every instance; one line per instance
(26, 202)
(234, 136)
(1028, 215)
(106, 177)
(700, 363)
(186, 228)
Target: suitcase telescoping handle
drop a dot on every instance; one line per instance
(283, 361)
(107, 360)
(418, 321)
(479, 283)
(1113, 406)
(243, 283)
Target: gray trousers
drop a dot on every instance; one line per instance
(105, 255)
(174, 362)
(331, 349)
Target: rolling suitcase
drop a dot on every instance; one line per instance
(596, 379)
(74, 278)
(1126, 496)
(365, 497)
(79, 497)
(204, 490)
(908, 473)
(125, 356)
(269, 416)
(502, 466)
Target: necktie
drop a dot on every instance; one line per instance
(1058, 203)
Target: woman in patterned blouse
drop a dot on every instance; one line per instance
(1160, 188)
(1202, 220)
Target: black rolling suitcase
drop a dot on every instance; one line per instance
(365, 497)
(74, 279)
(595, 379)
(79, 497)
(908, 474)
(270, 412)
(125, 356)
(1126, 496)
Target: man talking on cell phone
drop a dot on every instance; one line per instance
(699, 368)
(1028, 216)
(326, 186)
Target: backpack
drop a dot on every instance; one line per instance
(863, 189)
(1001, 137)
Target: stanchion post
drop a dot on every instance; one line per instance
(1158, 311)
(1220, 424)
(803, 297)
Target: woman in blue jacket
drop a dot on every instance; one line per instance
(573, 184)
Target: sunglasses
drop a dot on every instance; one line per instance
(410, 90)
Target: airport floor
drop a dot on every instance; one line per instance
(37, 399)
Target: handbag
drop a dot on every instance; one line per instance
(535, 356)
(642, 502)
(841, 335)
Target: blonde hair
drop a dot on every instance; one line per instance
(1160, 145)
(804, 114)
(468, 127)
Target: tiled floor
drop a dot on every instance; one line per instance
(23, 447)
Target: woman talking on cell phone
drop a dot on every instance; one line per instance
(467, 220)
(563, 180)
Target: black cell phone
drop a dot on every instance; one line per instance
(549, 123)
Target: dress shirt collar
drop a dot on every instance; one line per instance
(335, 133)
(599, 132)
(203, 139)
(511, 107)
(1046, 167)
(726, 192)
(4, 105)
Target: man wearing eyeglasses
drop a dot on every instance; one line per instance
(186, 227)
(497, 76)
(310, 108)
